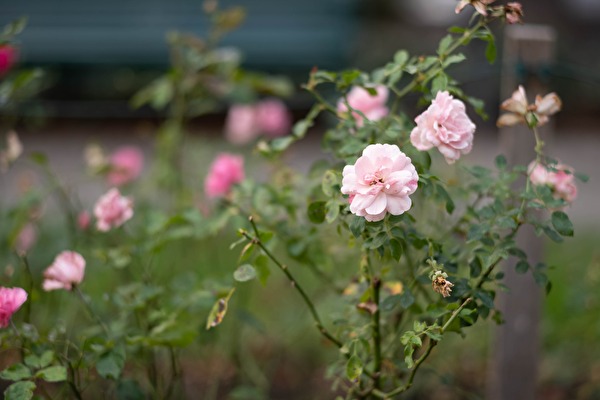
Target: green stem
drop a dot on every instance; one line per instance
(420, 360)
(90, 309)
(256, 240)
(376, 286)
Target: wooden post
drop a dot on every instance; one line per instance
(514, 365)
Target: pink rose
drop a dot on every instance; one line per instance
(112, 210)
(83, 220)
(8, 57)
(372, 106)
(11, 299)
(66, 270)
(225, 171)
(514, 12)
(126, 164)
(379, 182)
(241, 124)
(273, 118)
(445, 125)
(27, 238)
(559, 177)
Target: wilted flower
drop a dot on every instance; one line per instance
(373, 106)
(126, 164)
(441, 284)
(273, 118)
(14, 148)
(380, 182)
(67, 270)
(520, 112)
(513, 12)
(11, 299)
(112, 210)
(445, 125)
(225, 171)
(241, 125)
(480, 5)
(8, 58)
(559, 177)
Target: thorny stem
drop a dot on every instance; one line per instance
(90, 309)
(376, 285)
(256, 240)
(65, 201)
(420, 360)
(25, 262)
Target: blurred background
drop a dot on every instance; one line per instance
(97, 55)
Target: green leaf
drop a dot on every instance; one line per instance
(333, 210)
(19, 391)
(244, 273)
(401, 57)
(218, 311)
(110, 365)
(562, 223)
(330, 178)
(56, 373)
(261, 263)
(406, 299)
(444, 44)
(490, 51)
(128, 389)
(357, 225)
(316, 212)
(439, 83)
(454, 59)
(16, 372)
(354, 367)
(396, 249)
(501, 161)
(522, 266)
(552, 234)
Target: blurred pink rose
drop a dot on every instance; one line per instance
(8, 57)
(380, 182)
(559, 177)
(112, 210)
(445, 125)
(11, 299)
(241, 125)
(66, 270)
(372, 106)
(273, 118)
(83, 220)
(225, 171)
(27, 238)
(126, 164)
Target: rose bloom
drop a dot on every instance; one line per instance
(225, 171)
(83, 220)
(8, 58)
(273, 118)
(11, 299)
(444, 125)
(559, 177)
(112, 210)
(126, 164)
(518, 108)
(241, 124)
(372, 106)
(66, 270)
(380, 182)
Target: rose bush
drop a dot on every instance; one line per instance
(399, 255)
